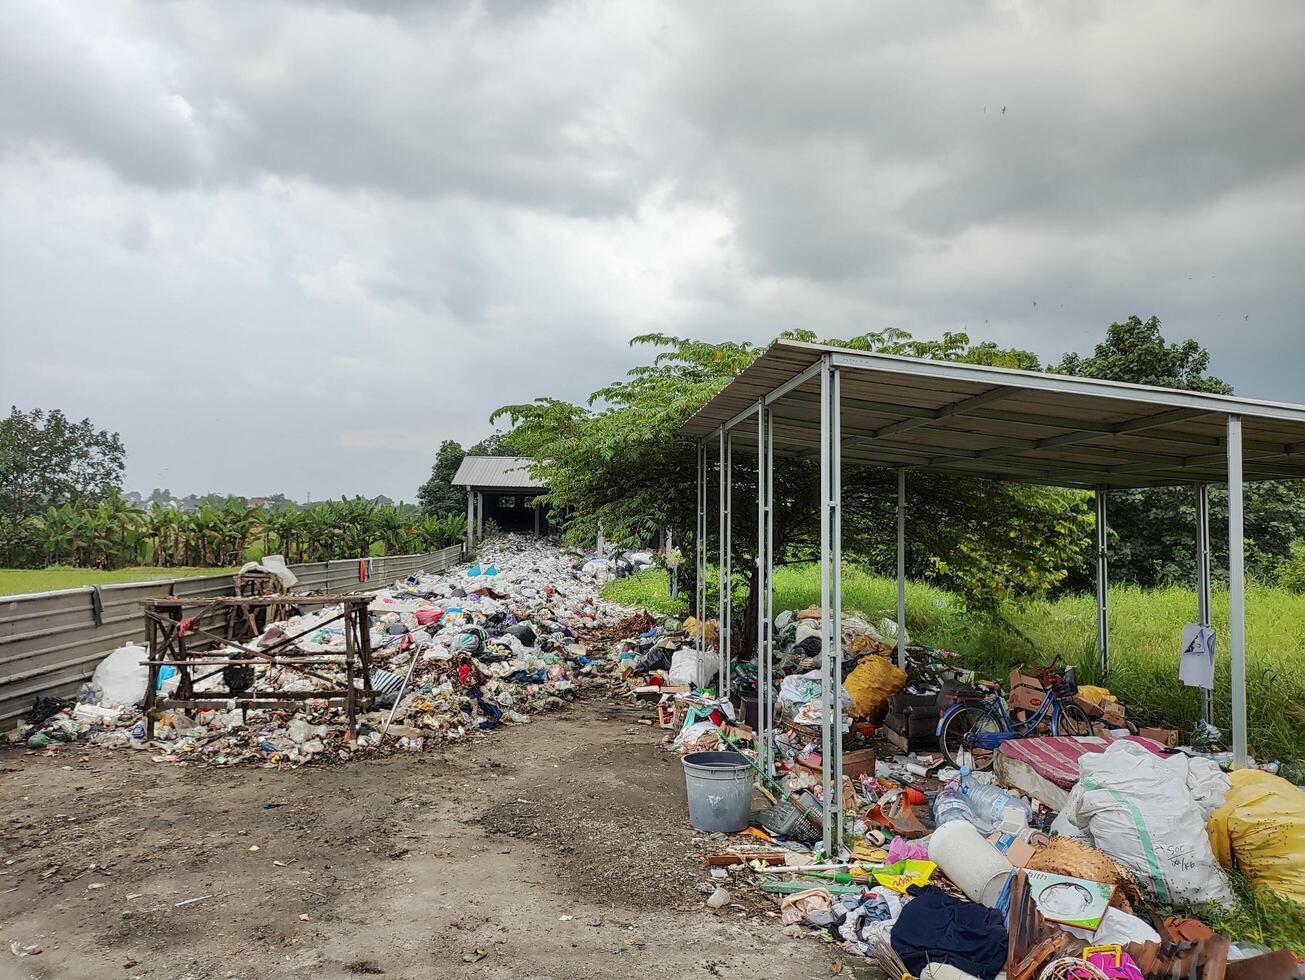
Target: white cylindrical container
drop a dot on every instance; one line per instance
(966, 857)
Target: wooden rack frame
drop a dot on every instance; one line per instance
(169, 635)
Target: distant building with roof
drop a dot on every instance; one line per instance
(501, 489)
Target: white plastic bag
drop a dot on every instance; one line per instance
(688, 666)
(121, 677)
(1136, 807)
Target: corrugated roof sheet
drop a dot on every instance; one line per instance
(1005, 424)
(500, 472)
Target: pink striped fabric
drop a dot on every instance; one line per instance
(1055, 758)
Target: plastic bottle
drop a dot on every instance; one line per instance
(951, 805)
(988, 804)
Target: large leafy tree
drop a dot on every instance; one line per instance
(618, 460)
(438, 496)
(1152, 539)
(48, 460)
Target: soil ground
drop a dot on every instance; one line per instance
(557, 849)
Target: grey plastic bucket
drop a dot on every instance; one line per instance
(719, 786)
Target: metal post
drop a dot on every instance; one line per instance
(770, 591)
(836, 588)
(723, 597)
(827, 789)
(471, 517)
(700, 552)
(1103, 585)
(480, 515)
(536, 522)
(1203, 582)
(1236, 592)
(901, 568)
(762, 625)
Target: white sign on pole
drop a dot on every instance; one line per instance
(1196, 664)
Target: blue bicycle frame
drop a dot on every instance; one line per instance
(995, 708)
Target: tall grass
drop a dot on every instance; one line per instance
(1145, 631)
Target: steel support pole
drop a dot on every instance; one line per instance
(770, 591)
(1236, 592)
(1203, 583)
(1103, 586)
(700, 552)
(828, 791)
(901, 568)
(724, 593)
(836, 589)
(763, 726)
(480, 515)
(471, 518)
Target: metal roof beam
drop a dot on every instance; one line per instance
(1118, 428)
(955, 408)
(794, 382)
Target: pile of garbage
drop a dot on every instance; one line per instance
(1051, 855)
(453, 654)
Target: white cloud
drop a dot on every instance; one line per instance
(374, 224)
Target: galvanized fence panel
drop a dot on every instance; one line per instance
(51, 642)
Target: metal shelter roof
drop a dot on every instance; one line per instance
(998, 423)
(499, 472)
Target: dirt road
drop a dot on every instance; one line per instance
(558, 849)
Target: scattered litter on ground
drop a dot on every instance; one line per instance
(454, 655)
(1023, 841)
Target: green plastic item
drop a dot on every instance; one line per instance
(39, 741)
(793, 887)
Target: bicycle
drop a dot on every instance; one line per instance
(971, 729)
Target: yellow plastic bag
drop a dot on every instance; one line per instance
(904, 874)
(709, 629)
(1261, 829)
(872, 683)
(1096, 695)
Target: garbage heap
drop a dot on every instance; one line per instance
(1052, 855)
(454, 654)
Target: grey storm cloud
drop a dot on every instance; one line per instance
(377, 221)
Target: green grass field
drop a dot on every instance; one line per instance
(19, 581)
(1145, 628)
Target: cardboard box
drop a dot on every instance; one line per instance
(1165, 736)
(1017, 852)
(1113, 715)
(1026, 698)
(1093, 711)
(1020, 679)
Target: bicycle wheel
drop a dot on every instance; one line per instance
(956, 740)
(1071, 720)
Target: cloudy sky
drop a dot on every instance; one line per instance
(291, 246)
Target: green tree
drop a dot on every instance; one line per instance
(438, 496)
(1136, 352)
(1152, 531)
(618, 460)
(47, 460)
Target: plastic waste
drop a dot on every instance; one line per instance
(951, 805)
(122, 677)
(1260, 829)
(1137, 807)
(872, 683)
(968, 859)
(988, 804)
(692, 667)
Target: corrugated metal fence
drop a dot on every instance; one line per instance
(51, 642)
